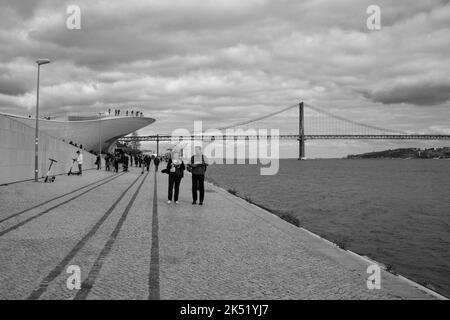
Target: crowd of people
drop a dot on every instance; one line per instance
(132, 113)
(125, 160)
(175, 168)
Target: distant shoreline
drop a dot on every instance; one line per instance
(406, 153)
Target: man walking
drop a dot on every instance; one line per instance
(98, 162)
(156, 162)
(116, 163)
(80, 162)
(124, 162)
(147, 161)
(108, 162)
(198, 168)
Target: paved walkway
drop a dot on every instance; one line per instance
(130, 244)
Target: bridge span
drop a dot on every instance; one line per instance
(329, 125)
(169, 138)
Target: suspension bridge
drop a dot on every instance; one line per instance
(312, 123)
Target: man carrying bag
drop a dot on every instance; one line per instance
(198, 168)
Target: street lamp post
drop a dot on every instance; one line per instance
(100, 139)
(36, 132)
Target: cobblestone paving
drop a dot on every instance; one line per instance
(226, 249)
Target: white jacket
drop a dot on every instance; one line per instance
(80, 158)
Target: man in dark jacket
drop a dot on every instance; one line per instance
(125, 162)
(98, 162)
(175, 169)
(147, 162)
(198, 168)
(156, 162)
(116, 163)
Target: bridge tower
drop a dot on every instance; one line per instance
(301, 131)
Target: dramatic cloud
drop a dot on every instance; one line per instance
(421, 94)
(222, 61)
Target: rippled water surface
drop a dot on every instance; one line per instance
(394, 211)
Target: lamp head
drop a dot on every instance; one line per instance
(42, 61)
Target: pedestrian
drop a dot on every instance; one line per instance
(175, 169)
(156, 162)
(108, 162)
(147, 162)
(116, 163)
(80, 162)
(125, 162)
(98, 162)
(198, 168)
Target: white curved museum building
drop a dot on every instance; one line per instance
(88, 131)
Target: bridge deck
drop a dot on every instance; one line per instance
(130, 244)
(290, 137)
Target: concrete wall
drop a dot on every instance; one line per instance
(17, 152)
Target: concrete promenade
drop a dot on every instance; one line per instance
(130, 244)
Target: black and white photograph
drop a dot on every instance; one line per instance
(224, 155)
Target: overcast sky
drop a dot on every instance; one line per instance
(223, 61)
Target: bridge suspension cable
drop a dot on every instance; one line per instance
(332, 115)
(239, 124)
(317, 123)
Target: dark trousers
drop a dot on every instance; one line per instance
(198, 184)
(80, 170)
(174, 182)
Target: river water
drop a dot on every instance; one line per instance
(394, 211)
